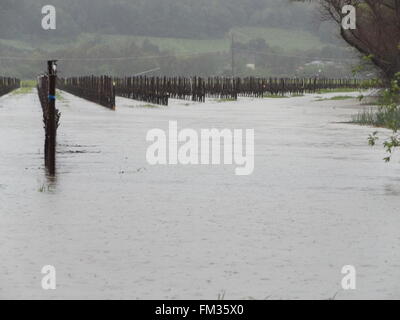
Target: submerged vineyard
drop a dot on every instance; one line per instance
(158, 90)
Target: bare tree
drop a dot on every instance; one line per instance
(377, 33)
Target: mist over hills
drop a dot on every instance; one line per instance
(273, 37)
(159, 18)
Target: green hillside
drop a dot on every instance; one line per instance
(288, 40)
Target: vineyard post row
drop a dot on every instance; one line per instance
(46, 87)
(159, 89)
(100, 90)
(8, 84)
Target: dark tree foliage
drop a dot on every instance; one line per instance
(377, 35)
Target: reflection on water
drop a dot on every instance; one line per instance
(51, 181)
(392, 190)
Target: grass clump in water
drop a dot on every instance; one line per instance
(279, 96)
(44, 188)
(22, 90)
(28, 84)
(377, 117)
(297, 95)
(26, 87)
(338, 90)
(386, 115)
(274, 96)
(60, 97)
(226, 100)
(150, 106)
(336, 98)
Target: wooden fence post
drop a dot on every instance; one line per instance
(52, 125)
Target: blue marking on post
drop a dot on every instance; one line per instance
(52, 97)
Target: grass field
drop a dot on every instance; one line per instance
(16, 44)
(339, 90)
(289, 40)
(22, 90)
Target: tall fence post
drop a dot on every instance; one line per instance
(52, 118)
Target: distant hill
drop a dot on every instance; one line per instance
(194, 19)
(275, 35)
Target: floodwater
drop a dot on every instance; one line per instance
(115, 227)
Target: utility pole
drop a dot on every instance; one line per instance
(233, 56)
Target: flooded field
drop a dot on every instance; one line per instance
(115, 227)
